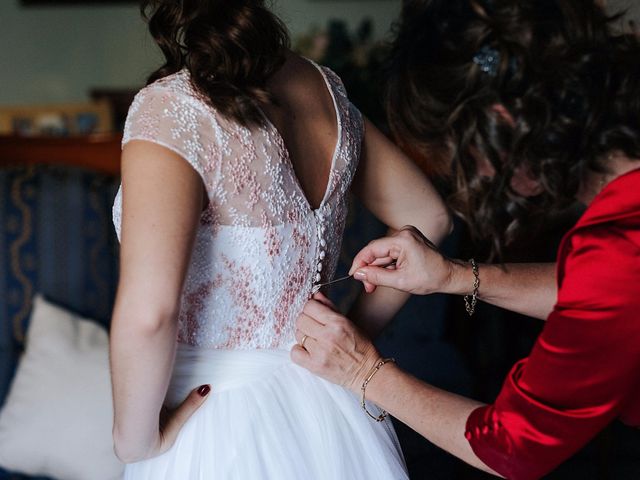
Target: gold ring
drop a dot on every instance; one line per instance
(304, 339)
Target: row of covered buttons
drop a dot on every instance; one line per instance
(321, 229)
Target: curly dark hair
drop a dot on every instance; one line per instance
(567, 77)
(230, 48)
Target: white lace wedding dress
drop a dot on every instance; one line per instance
(260, 248)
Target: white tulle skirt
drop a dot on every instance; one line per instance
(267, 418)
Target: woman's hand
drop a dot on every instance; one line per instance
(171, 422)
(330, 346)
(419, 267)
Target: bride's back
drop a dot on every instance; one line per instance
(276, 143)
(262, 243)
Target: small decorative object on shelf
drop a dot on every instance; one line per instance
(62, 120)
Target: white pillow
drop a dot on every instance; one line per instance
(57, 418)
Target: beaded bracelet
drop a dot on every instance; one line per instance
(372, 372)
(470, 303)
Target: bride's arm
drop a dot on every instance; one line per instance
(162, 200)
(398, 193)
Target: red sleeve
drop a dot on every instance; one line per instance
(581, 372)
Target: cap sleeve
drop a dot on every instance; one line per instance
(179, 122)
(350, 125)
(351, 112)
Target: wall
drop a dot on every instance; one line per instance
(57, 54)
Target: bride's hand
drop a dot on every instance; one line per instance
(419, 267)
(173, 419)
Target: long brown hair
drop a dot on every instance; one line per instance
(230, 48)
(569, 80)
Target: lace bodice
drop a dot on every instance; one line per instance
(260, 247)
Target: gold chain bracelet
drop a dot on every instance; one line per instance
(470, 301)
(372, 372)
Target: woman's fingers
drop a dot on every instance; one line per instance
(420, 268)
(307, 331)
(320, 297)
(383, 249)
(179, 416)
(301, 356)
(380, 252)
(386, 262)
(378, 276)
(188, 407)
(338, 351)
(308, 326)
(316, 314)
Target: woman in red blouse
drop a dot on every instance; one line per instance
(534, 103)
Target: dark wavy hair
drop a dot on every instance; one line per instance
(230, 48)
(568, 79)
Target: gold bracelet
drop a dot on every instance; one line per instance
(372, 372)
(470, 304)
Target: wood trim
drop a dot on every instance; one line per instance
(100, 152)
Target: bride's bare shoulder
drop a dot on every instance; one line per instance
(304, 86)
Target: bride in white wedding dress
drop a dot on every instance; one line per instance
(233, 202)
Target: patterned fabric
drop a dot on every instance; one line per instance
(260, 246)
(56, 238)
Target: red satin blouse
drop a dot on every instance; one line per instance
(584, 370)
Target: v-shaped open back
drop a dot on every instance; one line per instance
(336, 149)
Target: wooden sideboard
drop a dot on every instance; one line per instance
(100, 152)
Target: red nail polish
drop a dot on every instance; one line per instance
(204, 390)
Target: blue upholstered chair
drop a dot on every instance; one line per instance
(56, 238)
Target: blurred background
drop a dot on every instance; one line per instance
(56, 53)
(68, 72)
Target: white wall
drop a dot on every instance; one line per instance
(57, 54)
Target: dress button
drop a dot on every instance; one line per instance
(320, 266)
(323, 243)
(322, 254)
(318, 277)
(323, 229)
